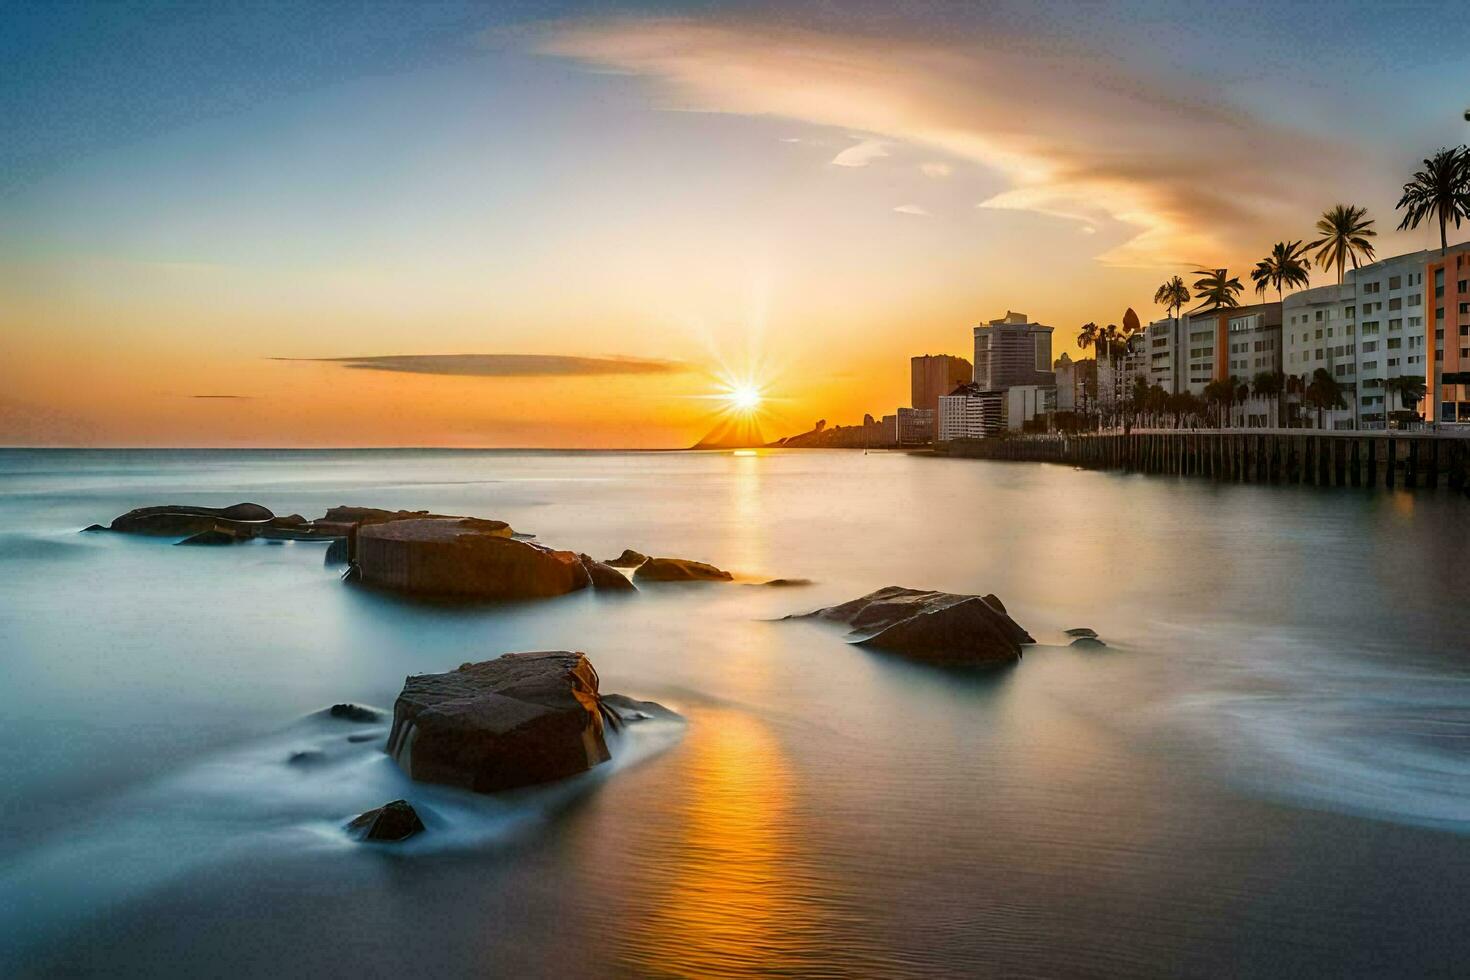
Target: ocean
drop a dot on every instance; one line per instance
(1266, 771)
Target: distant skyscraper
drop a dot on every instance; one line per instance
(1012, 351)
(934, 375)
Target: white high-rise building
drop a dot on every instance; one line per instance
(969, 412)
(1376, 326)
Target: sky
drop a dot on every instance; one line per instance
(572, 224)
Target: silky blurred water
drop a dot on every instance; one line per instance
(1265, 771)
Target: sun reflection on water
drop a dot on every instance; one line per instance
(733, 903)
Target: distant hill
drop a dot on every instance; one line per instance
(742, 432)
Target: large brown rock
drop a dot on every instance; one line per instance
(680, 570)
(463, 557)
(605, 578)
(227, 534)
(339, 520)
(522, 719)
(935, 627)
(181, 520)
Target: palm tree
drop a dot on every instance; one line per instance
(1323, 393)
(1296, 384)
(1287, 265)
(1410, 389)
(1107, 346)
(1218, 394)
(1218, 289)
(1440, 191)
(1270, 384)
(1345, 230)
(1139, 392)
(1087, 337)
(1172, 296)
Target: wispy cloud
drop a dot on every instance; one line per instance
(503, 365)
(227, 397)
(935, 169)
(910, 209)
(861, 154)
(1177, 173)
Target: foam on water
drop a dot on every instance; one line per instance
(289, 791)
(1361, 732)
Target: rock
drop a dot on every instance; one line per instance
(306, 757)
(935, 627)
(353, 712)
(1091, 642)
(362, 737)
(461, 557)
(782, 583)
(92, 527)
(390, 822)
(340, 521)
(680, 570)
(336, 552)
(1082, 631)
(604, 577)
(620, 710)
(518, 720)
(628, 559)
(180, 520)
(217, 535)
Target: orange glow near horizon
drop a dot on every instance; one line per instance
(837, 203)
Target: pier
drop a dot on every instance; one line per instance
(1311, 456)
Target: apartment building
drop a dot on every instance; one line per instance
(1403, 316)
(1238, 342)
(934, 375)
(970, 412)
(1164, 344)
(1447, 369)
(1011, 350)
(915, 426)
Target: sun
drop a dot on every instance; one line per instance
(745, 398)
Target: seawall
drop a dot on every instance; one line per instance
(1323, 458)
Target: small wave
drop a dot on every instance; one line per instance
(288, 792)
(1357, 732)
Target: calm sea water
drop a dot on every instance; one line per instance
(1267, 771)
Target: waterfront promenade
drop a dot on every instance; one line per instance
(1311, 456)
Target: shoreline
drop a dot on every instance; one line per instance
(1295, 456)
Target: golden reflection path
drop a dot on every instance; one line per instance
(730, 874)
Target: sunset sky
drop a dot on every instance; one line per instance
(560, 224)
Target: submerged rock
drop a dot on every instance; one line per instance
(463, 557)
(628, 559)
(935, 627)
(782, 583)
(390, 822)
(180, 520)
(518, 720)
(1083, 636)
(353, 712)
(604, 577)
(680, 570)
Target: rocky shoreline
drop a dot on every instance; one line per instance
(522, 720)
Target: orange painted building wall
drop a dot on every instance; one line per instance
(1456, 268)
